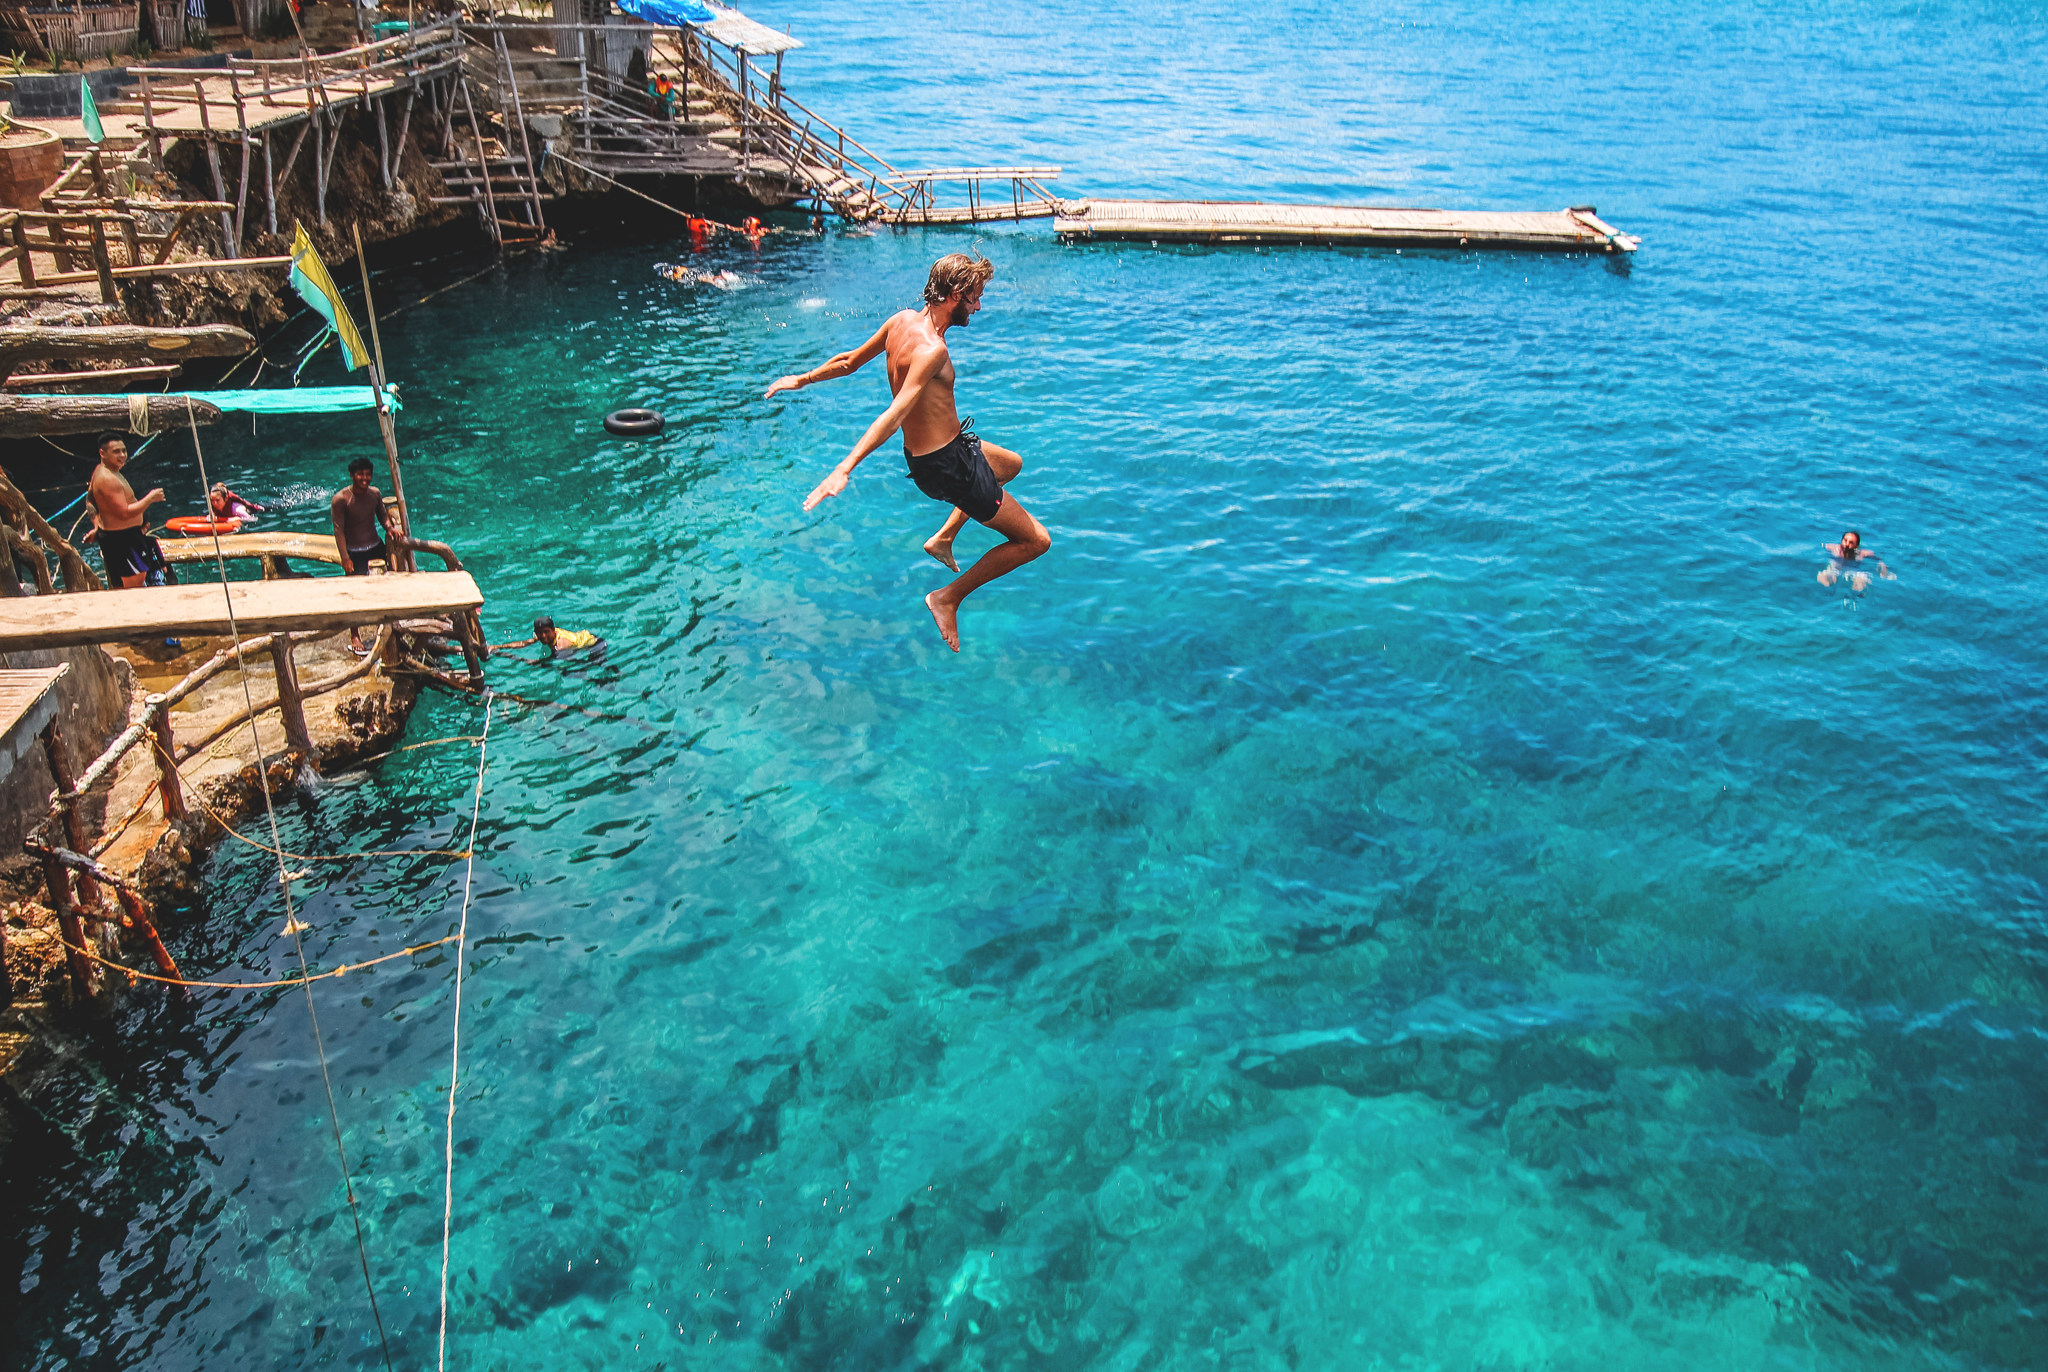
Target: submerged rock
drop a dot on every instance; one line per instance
(554, 1266)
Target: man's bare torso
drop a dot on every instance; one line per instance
(110, 483)
(933, 421)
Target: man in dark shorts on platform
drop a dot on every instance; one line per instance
(360, 521)
(360, 524)
(947, 461)
(133, 558)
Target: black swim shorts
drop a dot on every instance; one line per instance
(359, 558)
(132, 552)
(959, 475)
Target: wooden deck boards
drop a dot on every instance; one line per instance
(28, 702)
(200, 547)
(332, 602)
(1212, 221)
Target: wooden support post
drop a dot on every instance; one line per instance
(138, 915)
(525, 145)
(220, 193)
(483, 162)
(468, 630)
(290, 703)
(156, 142)
(404, 127)
(59, 758)
(103, 262)
(383, 145)
(131, 239)
(27, 260)
(583, 95)
(168, 785)
(319, 174)
(99, 175)
(242, 196)
(333, 143)
(60, 248)
(269, 187)
(68, 925)
(291, 160)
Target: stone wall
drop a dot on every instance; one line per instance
(92, 707)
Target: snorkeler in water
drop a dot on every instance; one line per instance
(1847, 558)
(947, 461)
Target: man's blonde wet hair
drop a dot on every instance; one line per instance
(956, 274)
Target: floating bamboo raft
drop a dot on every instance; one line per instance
(1579, 229)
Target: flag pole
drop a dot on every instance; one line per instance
(377, 387)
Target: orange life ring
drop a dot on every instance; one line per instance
(202, 524)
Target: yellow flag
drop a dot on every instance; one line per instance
(316, 288)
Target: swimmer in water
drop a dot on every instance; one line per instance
(947, 461)
(226, 504)
(690, 276)
(1848, 558)
(558, 642)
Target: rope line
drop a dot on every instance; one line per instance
(254, 985)
(455, 1038)
(291, 922)
(221, 820)
(686, 214)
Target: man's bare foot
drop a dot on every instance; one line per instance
(948, 619)
(941, 551)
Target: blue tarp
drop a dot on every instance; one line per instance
(297, 400)
(674, 13)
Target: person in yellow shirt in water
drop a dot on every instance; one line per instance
(559, 642)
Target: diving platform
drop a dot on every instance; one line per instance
(330, 602)
(1579, 229)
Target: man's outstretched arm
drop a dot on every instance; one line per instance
(845, 364)
(923, 368)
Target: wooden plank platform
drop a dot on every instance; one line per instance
(28, 702)
(331, 602)
(199, 547)
(1244, 221)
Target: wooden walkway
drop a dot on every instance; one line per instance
(28, 702)
(1243, 221)
(332, 602)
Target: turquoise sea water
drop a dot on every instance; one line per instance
(1419, 876)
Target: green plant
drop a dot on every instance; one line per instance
(17, 63)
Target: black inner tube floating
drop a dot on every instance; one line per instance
(633, 423)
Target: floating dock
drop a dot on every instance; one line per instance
(1579, 229)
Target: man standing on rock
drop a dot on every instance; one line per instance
(130, 553)
(947, 461)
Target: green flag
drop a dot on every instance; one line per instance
(89, 112)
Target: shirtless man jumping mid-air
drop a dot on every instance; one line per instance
(947, 461)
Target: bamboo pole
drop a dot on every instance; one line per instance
(384, 424)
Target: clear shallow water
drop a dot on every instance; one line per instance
(1419, 876)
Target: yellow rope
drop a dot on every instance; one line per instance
(255, 985)
(221, 820)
